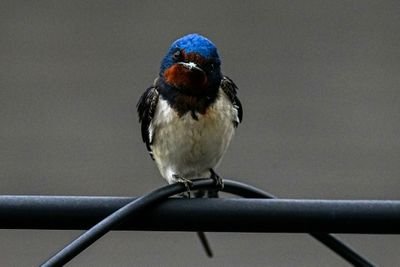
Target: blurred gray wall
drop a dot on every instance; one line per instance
(319, 82)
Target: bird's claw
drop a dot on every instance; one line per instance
(186, 182)
(219, 182)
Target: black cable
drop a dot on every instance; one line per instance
(328, 240)
(341, 249)
(137, 205)
(111, 221)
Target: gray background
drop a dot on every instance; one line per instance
(319, 82)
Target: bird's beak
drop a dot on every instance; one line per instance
(186, 75)
(191, 66)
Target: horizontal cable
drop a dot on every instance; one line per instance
(211, 215)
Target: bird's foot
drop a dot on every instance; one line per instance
(186, 182)
(219, 185)
(219, 182)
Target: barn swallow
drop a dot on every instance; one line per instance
(189, 115)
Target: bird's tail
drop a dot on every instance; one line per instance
(202, 236)
(206, 245)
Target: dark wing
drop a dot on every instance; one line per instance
(230, 89)
(146, 108)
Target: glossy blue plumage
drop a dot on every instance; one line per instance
(196, 43)
(191, 43)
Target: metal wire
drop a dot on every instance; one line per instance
(328, 240)
(158, 195)
(105, 225)
(256, 215)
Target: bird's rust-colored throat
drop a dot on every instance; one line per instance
(184, 77)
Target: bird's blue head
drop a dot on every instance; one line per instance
(192, 65)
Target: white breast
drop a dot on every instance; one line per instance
(189, 147)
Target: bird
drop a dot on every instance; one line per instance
(189, 114)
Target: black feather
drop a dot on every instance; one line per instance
(146, 108)
(230, 89)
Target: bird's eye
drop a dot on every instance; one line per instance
(177, 55)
